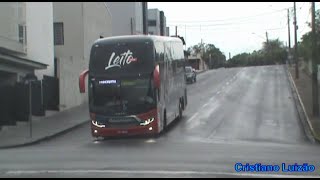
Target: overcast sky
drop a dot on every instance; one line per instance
(231, 26)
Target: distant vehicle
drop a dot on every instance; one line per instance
(191, 75)
(136, 85)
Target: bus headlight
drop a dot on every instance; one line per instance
(146, 122)
(94, 122)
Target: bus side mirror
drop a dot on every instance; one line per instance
(156, 77)
(82, 78)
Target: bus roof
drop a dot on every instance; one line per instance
(135, 38)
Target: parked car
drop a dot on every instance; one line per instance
(191, 75)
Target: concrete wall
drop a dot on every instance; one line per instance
(70, 55)
(11, 15)
(139, 17)
(37, 17)
(97, 22)
(154, 14)
(84, 22)
(121, 13)
(39, 21)
(167, 31)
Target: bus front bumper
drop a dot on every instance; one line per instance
(150, 129)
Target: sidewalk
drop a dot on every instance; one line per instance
(303, 86)
(200, 71)
(44, 127)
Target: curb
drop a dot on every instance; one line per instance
(35, 141)
(301, 111)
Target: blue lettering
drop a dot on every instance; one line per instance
(298, 167)
(284, 167)
(236, 167)
(258, 167)
(252, 168)
(276, 168)
(311, 168)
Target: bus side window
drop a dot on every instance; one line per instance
(157, 94)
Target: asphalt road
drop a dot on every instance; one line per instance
(244, 115)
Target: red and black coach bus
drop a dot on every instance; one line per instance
(136, 84)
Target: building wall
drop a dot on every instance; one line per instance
(37, 43)
(139, 17)
(39, 22)
(11, 15)
(154, 14)
(70, 54)
(122, 13)
(163, 24)
(84, 22)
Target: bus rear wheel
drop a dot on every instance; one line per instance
(180, 109)
(164, 120)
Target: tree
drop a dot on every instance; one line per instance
(272, 52)
(212, 55)
(305, 46)
(275, 51)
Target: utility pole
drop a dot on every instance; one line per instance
(185, 36)
(315, 98)
(296, 41)
(145, 17)
(289, 39)
(176, 31)
(269, 47)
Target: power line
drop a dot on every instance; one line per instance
(305, 24)
(236, 18)
(219, 24)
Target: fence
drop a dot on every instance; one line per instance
(15, 100)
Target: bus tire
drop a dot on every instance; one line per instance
(183, 103)
(164, 120)
(180, 109)
(185, 97)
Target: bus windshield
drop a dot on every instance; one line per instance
(123, 96)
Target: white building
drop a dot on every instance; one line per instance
(157, 22)
(154, 21)
(76, 26)
(26, 40)
(127, 17)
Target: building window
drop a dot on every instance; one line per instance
(21, 34)
(151, 33)
(152, 22)
(58, 33)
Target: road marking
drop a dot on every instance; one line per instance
(192, 117)
(227, 83)
(206, 104)
(160, 172)
(217, 93)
